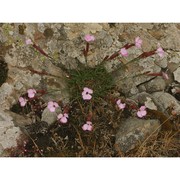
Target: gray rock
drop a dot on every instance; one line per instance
(157, 84)
(177, 74)
(134, 130)
(146, 99)
(8, 132)
(50, 117)
(164, 101)
(5, 92)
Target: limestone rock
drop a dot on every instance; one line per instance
(134, 130)
(50, 117)
(157, 84)
(164, 101)
(8, 132)
(177, 75)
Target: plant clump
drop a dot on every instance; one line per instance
(96, 78)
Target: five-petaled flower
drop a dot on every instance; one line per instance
(52, 106)
(138, 42)
(89, 38)
(22, 101)
(120, 105)
(142, 112)
(86, 94)
(31, 93)
(87, 126)
(123, 52)
(28, 41)
(160, 52)
(63, 117)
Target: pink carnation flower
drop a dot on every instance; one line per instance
(31, 93)
(160, 52)
(22, 101)
(52, 106)
(86, 94)
(120, 105)
(87, 126)
(124, 52)
(138, 42)
(63, 117)
(89, 38)
(28, 41)
(142, 112)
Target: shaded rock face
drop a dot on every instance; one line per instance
(133, 131)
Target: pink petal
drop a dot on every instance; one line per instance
(23, 103)
(118, 102)
(89, 128)
(87, 97)
(31, 93)
(88, 122)
(21, 99)
(139, 114)
(138, 42)
(124, 52)
(55, 104)
(28, 41)
(122, 105)
(143, 113)
(160, 52)
(85, 127)
(52, 109)
(63, 120)
(165, 76)
(50, 103)
(66, 115)
(89, 38)
(90, 91)
(142, 108)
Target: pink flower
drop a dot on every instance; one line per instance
(31, 93)
(165, 76)
(28, 41)
(124, 52)
(52, 106)
(22, 101)
(160, 51)
(87, 126)
(63, 117)
(138, 42)
(120, 105)
(142, 111)
(86, 94)
(89, 38)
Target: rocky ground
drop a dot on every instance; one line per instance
(28, 68)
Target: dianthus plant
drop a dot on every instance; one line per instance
(88, 85)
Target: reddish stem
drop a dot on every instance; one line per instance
(146, 54)
(85, 51)
(127, 46)
(40, 50)
(114, 55)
